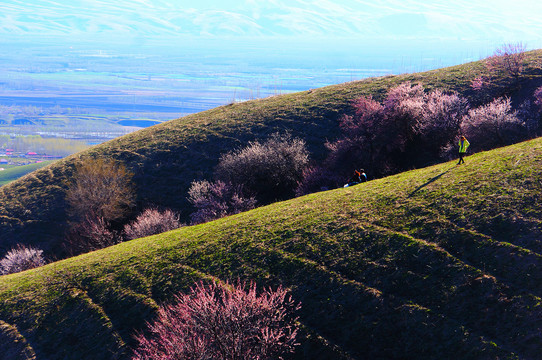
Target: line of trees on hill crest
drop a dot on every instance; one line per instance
(412, 128)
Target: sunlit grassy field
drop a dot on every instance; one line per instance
(441, 262)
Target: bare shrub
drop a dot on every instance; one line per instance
(101, 189)
(21, 258)
(214, 200)
(90, 234)
(492, 125)
(269, 171)
(100, 194)
(509, 58)
(222, 322)
(150, 222)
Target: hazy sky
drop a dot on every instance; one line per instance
(224, 47)
(480, 20)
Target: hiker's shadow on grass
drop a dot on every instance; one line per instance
(430, 181)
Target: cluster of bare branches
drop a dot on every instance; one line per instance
(100, 194)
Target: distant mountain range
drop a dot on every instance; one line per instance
(459, 19)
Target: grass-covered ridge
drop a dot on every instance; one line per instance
(167, 157)
(441, 262)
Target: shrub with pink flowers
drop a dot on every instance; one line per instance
(317, 178)
(150, 222)
(508, 59)
(223, 322)
(494, 124)
(478, 83)
(21, 258)
(217, 199)
(409, 128)
(91, 233)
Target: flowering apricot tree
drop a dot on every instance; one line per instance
(509, 58)
(222, 322)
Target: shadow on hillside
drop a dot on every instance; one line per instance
(430, 181)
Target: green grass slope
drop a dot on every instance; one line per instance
(442, 262)
(166, 158)
(14, 173)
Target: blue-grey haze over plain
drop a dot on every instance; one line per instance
(166, 58)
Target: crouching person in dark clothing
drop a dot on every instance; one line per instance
(357, 178)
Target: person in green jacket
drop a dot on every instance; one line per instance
(463, 146)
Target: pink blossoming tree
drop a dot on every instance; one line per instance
(222, 322)
(509, 59)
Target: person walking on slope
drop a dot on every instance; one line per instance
(463, 146)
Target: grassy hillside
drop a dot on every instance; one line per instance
(14, 173)
(167, 157)
(442, 262)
